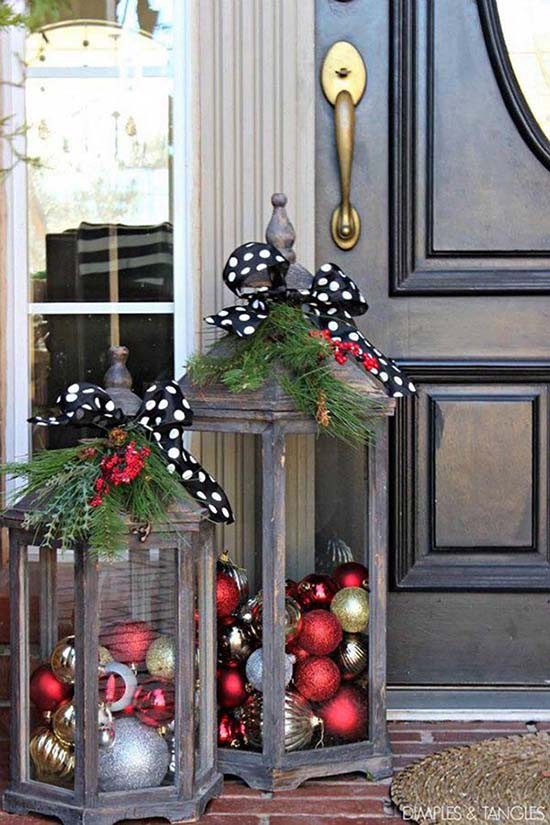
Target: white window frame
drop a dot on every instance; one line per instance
(19, 308)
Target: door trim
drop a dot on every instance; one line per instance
(433, 704)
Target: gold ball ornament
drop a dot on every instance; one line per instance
(64, 723)
(105, 657)
(351, 607)
(52, 760)
(301, 722)
(160, 658)
(63, 660)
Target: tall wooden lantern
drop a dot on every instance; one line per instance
(284, 730)
(113, 699)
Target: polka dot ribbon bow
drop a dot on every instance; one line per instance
(256, 272)
(165, 413)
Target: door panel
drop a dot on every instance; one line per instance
(452, 184)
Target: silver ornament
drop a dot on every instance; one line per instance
(255, 668)
(139, 758)
(130, 684)
(105, 727)
(335, 553)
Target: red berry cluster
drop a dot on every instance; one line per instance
(343, 349)
(121, 467)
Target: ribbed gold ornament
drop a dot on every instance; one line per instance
(352, 655)
(300, 721)
(53, 760)
(351, 607)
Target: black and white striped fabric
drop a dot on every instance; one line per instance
(256, 272)
(165, 413)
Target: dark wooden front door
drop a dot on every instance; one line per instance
(451, 179)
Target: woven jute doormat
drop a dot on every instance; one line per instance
(505, 780)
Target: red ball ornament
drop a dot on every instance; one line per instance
(298, 652)
(46, 690)
(128, 641)
(230, 734)
(154, 703)
(321, 632)
(228, 595)
(232, 690)
(317, 678)
(346, 714)
(351, 574)
(316, 590)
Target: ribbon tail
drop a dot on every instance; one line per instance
(240, 320)
(204, 488)
(395, 382)
(84, 405)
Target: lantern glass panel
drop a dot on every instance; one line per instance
(51, 603)
(137, 635)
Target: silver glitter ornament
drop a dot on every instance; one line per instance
(255, 668)
(139, 758)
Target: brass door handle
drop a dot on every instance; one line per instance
(344, 79)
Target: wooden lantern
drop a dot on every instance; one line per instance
(162, 762)
(270, 414)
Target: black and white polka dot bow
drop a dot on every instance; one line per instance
(164, 413)
(256, 272)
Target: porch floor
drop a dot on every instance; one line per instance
(347, 800)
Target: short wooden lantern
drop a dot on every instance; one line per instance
(279, 752)
(88, 744)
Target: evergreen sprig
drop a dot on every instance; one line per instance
(61, 484)
(285, 338)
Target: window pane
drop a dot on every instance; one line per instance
(69, 348)
(99, 112)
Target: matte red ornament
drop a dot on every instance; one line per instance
(230, 733)
(317, 678)
(297, 651)
(321, 632)
(351, 574)
(154, 703)
(232, 690)
(228, 595)
(346, 714)
(128, 641)
(46, 690)
(316, 590)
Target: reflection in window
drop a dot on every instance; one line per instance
(526, 28)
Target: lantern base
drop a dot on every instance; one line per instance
(115, 807)
(296, 768)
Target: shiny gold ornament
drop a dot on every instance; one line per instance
(63, 660)
(160, 658)
(300, 721)
(351, 607)
(226, 565)
(52, 760)
(251, 615)
(235, 642)
(352, 656)
(64, 723)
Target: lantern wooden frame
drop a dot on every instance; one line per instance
(270, 413)
(197, 779)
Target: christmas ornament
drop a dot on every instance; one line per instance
(229, 731)
(351, 607)
(154, 702)
(128, 676)
(337, 552)
(251, 615)
(139, 758)
(317, 678)
(104, 656)
(255, 667)
(46, 691)
(352, 656)
(160, 658)
(235, 643)
(291, 589)
(315, 591)
(321, 632)
(346, 714)
(64, 724)
(231, 687)
(227, 595)
(226, 565)
(63, 660)
(168, 731)
(298, 652)
(351, 574)
(299, 718)
(128, 641)
(52, 760)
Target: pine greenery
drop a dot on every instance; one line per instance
(61, 484)
(285, 338)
